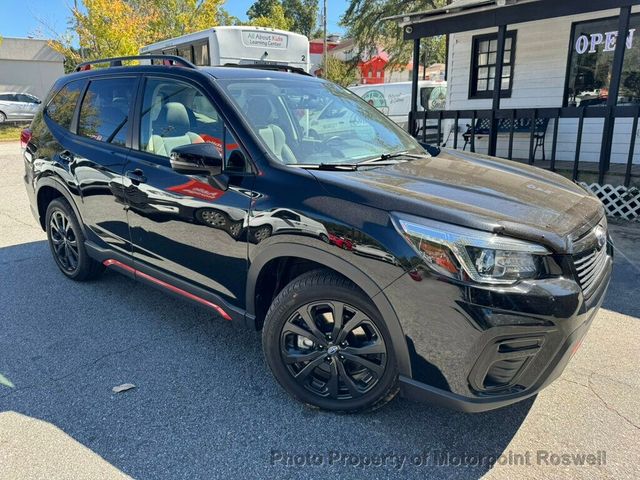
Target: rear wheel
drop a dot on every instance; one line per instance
(327, 345)
(67, 243)
(3, 117)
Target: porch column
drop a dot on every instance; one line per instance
(497, 90)
(414, 87)
(614, 88)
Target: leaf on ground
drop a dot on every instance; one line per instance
(123, 388)
(6, 382)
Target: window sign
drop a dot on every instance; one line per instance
(591, 63)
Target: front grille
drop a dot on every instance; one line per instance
(589, 266)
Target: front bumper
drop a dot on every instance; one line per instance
(476, 349)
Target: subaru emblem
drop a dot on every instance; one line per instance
(601, 236)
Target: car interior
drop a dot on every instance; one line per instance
(176, 114)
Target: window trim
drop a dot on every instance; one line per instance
(574, 25)
(473, 73)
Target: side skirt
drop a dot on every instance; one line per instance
(161, 280)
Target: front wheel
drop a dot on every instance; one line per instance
(327, 345)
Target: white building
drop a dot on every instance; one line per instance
(28, 65)
(545, 73)
(561, 73)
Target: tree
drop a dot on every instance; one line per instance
(172, 18)
(262, 8)
(337, 71)
(109, 28)
(268, 13)
(363, 20)
(304, 15)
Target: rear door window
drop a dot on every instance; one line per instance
(63, 105)
(104, 113)
(27, 98)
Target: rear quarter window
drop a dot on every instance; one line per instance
(62, 106)
(104, 113)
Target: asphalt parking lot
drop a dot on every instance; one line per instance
(206, 406)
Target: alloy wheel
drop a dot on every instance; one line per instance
(64, 241)
(214, 218)
(333, 350)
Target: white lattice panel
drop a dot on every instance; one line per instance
(620, 201)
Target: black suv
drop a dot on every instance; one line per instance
(285, 203)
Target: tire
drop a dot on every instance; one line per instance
(212, 218)
(66, 242)
(3, 117)
(338, 376)
(258, 234)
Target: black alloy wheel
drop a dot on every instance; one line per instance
(333, 350)
(67, 242)
(328, 346)
(64, 241)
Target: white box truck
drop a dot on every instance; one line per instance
(394, 100)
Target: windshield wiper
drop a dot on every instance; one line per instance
(389, 156)
(345, 167)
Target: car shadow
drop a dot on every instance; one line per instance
(205, 404)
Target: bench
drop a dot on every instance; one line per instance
(520, 126)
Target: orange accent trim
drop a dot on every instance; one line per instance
(115, 263)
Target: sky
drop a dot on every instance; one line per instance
(22, 18)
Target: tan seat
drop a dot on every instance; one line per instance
(259, 111)
(172, 130)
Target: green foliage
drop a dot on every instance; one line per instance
(363, 20)
(304, 14)
(270, 14)
(337, 71)
(299, 16)
(111, 28)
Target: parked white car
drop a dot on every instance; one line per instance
(282, 220)
(17, 106)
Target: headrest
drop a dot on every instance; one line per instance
(259, 110)
(173, 120)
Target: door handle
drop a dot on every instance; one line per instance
(66, 156)
(136, 176)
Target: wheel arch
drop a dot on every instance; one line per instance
(49, 189)
(324, 259)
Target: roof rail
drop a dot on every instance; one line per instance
(278, 67)
(170, 60)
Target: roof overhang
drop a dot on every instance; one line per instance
(465, 15)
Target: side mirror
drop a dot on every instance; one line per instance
(196, 159)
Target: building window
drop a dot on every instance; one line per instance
(483, 65)
(590, 68)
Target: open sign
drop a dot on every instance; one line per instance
(590, 43)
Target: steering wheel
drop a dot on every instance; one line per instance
(333, 139)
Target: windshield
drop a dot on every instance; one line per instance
(313, 122)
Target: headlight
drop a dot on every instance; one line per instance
(484, 257)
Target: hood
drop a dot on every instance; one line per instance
(475, 191)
